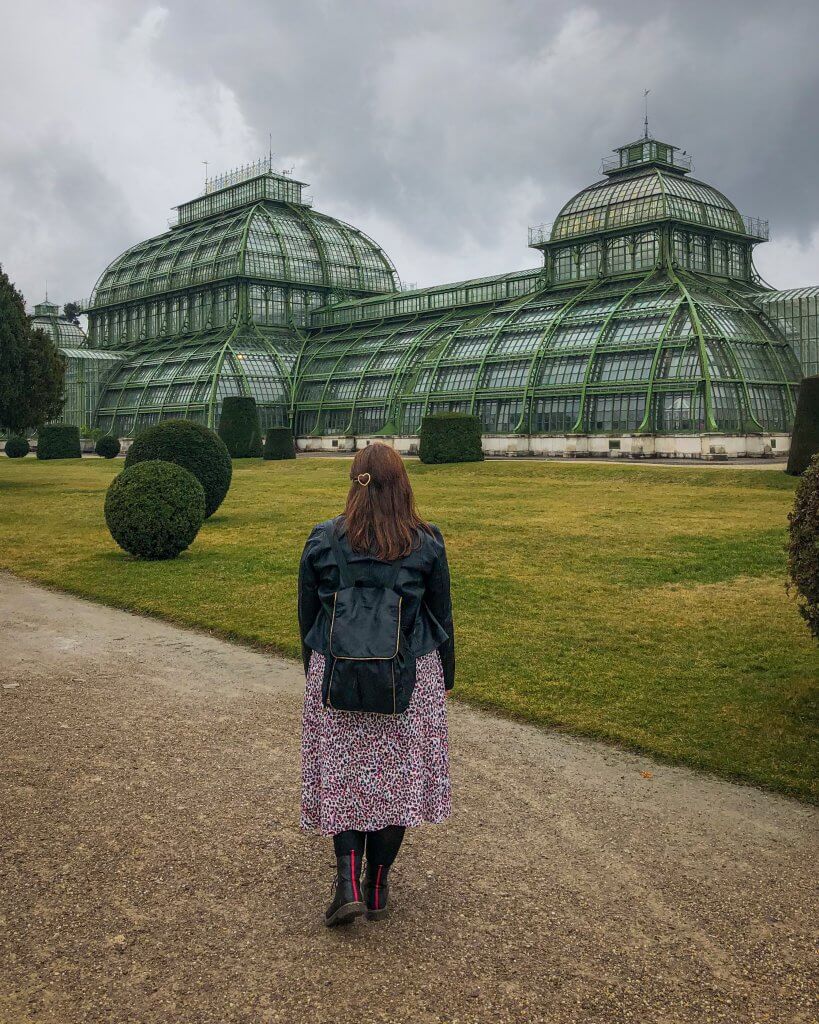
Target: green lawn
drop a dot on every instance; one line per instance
(643, 605)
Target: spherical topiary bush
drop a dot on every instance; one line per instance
(192, 446)
(108, 446)
(279, 443)
(803, 546)
(17, 447)
(450, 437)
(154, 509)
(239, 427)
(58, 441)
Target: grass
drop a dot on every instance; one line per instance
(642, 605)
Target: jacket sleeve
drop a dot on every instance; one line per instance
(309, 603)
(439, 601)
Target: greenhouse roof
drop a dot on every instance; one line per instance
(64, 333)
(94, 354)
(251, 231)
(644, 188)
(420, 300)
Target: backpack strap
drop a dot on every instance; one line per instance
(344, 576)
(345, 573)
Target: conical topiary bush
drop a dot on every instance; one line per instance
(239, 427)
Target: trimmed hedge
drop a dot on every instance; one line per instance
(450, 437)
(58, 441)
(154, 509)
(803, 545)
(805, 437)
(17, 447)
(279, 444)
(192, 446)
(108, 446)
(239, 427)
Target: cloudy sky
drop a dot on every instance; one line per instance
(443, 128)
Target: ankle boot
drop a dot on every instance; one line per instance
(347, 903)
(376, 890)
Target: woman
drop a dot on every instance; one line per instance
(367, 776)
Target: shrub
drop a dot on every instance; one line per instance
(17, 447)
(450, 437)
(803, 545)
(154, 509)
(805, 437)
(279, 443)
(192, 446)
(58, 441)
(108, 446)
(239, 427)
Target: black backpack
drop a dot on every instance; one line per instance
(368, 666)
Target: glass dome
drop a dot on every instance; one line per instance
(644, 196)
(291, 244)
(64, 333)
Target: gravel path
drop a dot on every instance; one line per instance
(152, 870)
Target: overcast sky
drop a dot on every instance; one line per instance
(443, 128)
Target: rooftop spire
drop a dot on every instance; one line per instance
(645, 120)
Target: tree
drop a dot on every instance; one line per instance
(71, 311)
(805, 436)
(32, 371)
(803, 546)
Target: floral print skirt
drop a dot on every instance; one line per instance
(364, 771)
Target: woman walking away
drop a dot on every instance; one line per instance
(379, 653)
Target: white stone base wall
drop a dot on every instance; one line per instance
(709, 447)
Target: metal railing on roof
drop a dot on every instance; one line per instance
(243, 173)
(612, 163)
(757, 228)
(540, 233)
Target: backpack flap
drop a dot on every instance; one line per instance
(366, 623)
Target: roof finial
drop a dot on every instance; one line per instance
(645, 121)
(270, 151)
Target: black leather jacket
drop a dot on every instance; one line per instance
(423, 582)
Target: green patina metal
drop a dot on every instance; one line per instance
(86, 370)
(638, 322)
(646, 317)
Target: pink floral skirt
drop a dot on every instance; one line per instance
(364, 771)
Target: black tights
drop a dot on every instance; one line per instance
(382, 846)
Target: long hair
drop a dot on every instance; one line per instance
(380, 517)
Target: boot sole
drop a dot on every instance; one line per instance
(346, 914)
(375, 915)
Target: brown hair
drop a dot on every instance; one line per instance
(380, 516)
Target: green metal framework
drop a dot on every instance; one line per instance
(211, 307)
(644, 318)
(86, 370)
(795, 311)
(639, 322)
(189, 377)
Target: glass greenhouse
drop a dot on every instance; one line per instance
(86, 370)
(796, 313)
(212, 307)
(646, 325)
(642, 321)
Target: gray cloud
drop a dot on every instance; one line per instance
(441, 128)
